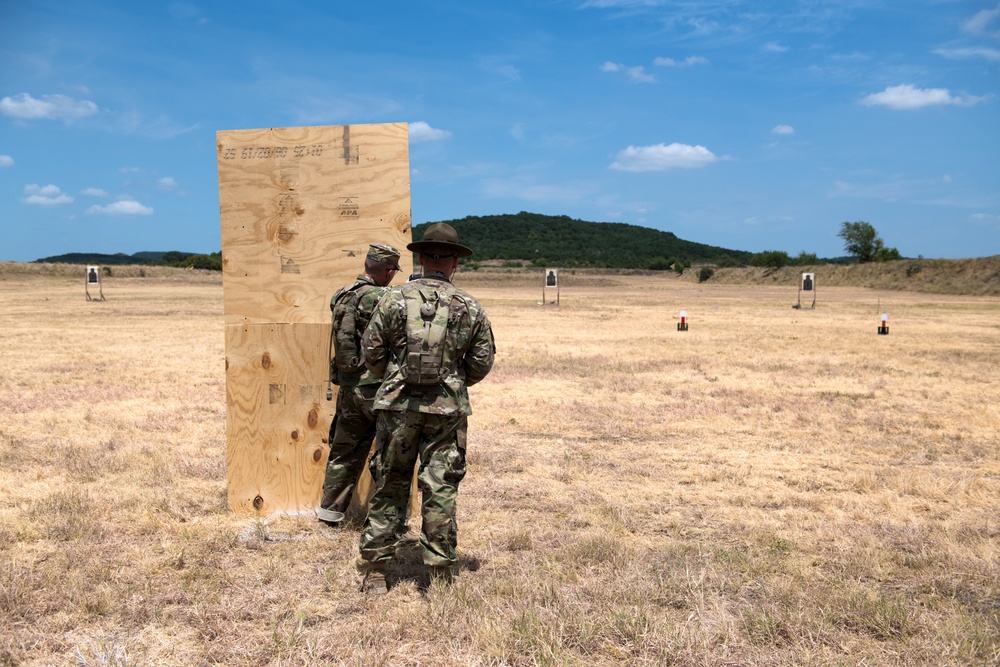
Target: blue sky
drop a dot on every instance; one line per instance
(752, 125)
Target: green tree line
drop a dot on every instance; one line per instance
(562, 241)
(211, 262)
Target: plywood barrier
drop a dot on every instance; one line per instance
(277, 415)
(298, 208)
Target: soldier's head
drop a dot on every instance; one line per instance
(439, 249)
(381, 263)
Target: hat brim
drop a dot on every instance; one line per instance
(460, 250)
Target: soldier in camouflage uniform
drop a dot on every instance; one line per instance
(428, 340)
(353, 427)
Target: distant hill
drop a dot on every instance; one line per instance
(564, 241)
(149, 258)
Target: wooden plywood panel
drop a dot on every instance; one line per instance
(298, 208)
(277, 416)
(278, 419)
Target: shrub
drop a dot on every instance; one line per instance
(704, 273)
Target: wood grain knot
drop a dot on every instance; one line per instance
(317, 455)
(265, 360)
(295, 434)
(258, 502)
(313, 418)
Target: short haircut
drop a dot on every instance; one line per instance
(375, 265)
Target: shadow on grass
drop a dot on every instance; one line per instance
(408, 565)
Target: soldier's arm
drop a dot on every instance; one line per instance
(378, 339)
(479, 357)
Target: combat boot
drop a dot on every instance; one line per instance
(374, 582)
(331, 518)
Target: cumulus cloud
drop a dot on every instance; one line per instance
(45, 195)
(420, 131)
(909, 97)
(783, 129)
(167, 183)
(49, 107)
(6, 161)
(94, 192)
(123, 207)
(661, 156)
(637, 73)
(687, 62)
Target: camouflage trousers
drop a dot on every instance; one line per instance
(403, 438)
(351, 435)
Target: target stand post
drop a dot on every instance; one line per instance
(93, 277)
(551, 281)
(807, 284)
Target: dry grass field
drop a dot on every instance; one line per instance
(772, 487)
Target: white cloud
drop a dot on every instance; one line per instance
(979, 24)
(94, 192)
(908, 97)
(167, 183)
(774, 47)
(687, 62)
(123, 207)
(50, 107)
(420, 131)
(45, 195)
(783, 129)
(6, 161)
(661, 156)
(637, 73)
(985, 53)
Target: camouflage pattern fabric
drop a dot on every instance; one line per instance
(438, 442)
(353, 426)
(470, 338)
(425, 423)
(353, 307)
(351, 435)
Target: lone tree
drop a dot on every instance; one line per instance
(861, 241)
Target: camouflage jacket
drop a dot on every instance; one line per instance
(384, 346)
(357, 302)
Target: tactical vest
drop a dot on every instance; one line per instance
(345, 329)
(435, 338)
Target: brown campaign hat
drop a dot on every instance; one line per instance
(440, 235)
(382, 252)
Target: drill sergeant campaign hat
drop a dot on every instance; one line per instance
(381, 252)
(440, 236)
